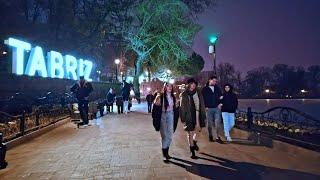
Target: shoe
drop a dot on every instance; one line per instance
(193, 153)
(196, 147)
(229, 139)
(218, 140)
(78, 125)
(165, 154)
(86, 125)
(211, 139)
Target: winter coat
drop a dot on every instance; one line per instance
(110, 98)
(125, 91)
(185, 111)
(157, 112)
(119, 101)
(229, 102)
(82, 90)
(211, 100)
(149, 98)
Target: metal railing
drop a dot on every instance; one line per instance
(16, 126)
(285, 123)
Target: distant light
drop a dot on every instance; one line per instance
(132, 93)
(171, 81)
(267, 90)
(121, 72)
(148, 89)
(213, 39)
(4, 52)
(117, 61)
(169, 71)
(303, 91)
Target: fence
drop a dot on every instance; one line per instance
(283, 123)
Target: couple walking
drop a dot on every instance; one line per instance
(195, 107)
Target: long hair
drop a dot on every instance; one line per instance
(164, 91)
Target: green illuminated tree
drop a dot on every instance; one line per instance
(164, 37)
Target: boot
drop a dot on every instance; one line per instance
(211, 139)
(165, 155)
(193, 153)
(196, 147)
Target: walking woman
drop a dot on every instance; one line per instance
(192, 113)
(229, 106)
(165, 116)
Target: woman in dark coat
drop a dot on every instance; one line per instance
(229, 106)
(165, 116)
(192, 113)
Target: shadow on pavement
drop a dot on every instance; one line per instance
(228, 169)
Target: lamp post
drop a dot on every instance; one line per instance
(212, 51)
(117, 62)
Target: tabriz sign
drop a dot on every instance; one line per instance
(56, 65)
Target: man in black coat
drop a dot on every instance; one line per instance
(82, 89)
(125, 92)
(149, 99)
(211, 95)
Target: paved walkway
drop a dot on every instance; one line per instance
(127, 147)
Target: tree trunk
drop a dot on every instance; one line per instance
(138, 72)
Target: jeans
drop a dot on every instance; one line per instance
(228, 122)
(149, 107)
(83, 107)
(166, 129)
(214, 119)
(125, 105)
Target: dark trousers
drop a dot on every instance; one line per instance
(149, 107)
(110, 107)
(83, 106)
(120, 109)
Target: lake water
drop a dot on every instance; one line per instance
(309, 106)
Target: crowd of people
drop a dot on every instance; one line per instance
(196, 107)
(82, 90)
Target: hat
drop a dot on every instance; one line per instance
(191, 80)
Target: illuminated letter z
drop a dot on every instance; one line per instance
(87, 69)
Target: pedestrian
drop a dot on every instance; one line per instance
(192, 113)
(150, 99)
(229, 106)
(129, 104)
(125, 92)
(211, 95)
(165, 116)
(110, 100)
(82, 90)
(119, 103)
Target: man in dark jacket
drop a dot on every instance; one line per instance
(149, 99)
(110, 100)
(211, 95)
(82, 89)
(125, 92)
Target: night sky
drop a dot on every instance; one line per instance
(257, 33)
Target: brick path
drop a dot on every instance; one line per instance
(127, 147)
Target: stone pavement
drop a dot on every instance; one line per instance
(127, 147)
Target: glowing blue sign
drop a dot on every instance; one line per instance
(57, 66)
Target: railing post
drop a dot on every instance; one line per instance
(22, 123)
(37, 118)
(249, 118)
(3, 150)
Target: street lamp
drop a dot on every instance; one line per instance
(99, 73)
(212, 51)
(267, 90)
(4, 52)
(303, 91)
(117, 62)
